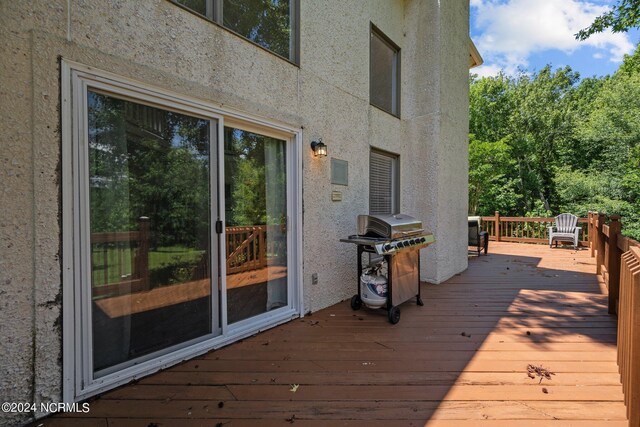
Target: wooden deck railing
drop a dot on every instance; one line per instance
(618, 262)
(525, 230)
(246, 248)
(123, 257)
(131, 265)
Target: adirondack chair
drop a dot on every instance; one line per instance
(478, 238)
(565, 230)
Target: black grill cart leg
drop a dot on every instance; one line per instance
(418, 297)
(387, 259)
(360, 251)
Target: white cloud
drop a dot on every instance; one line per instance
(508, 32)
(486, 70)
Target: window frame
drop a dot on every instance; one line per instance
(396, 80)
(215, 14)
(395, 179)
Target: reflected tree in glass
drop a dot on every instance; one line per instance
(149, 197)
(256, 215)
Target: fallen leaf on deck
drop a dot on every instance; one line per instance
(294, 387)
(539, 371)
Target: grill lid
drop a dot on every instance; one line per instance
(389, 226)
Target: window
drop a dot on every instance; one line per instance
(384, 73)
(383, 183)
(271, 24)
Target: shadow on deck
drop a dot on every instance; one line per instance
(461, 360)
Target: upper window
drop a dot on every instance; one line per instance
(271, 24)
(384, 73)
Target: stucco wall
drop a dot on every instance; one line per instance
(159, 43)
(16, 220)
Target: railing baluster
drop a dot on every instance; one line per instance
(613, 263)
(601, 244)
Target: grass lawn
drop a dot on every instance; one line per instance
(112, 264)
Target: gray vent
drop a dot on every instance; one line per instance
(339, 172)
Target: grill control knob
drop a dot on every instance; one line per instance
(387, 247)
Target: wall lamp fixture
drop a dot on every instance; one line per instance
(319, 148)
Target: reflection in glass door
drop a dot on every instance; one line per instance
(255, 184)
(150, 201)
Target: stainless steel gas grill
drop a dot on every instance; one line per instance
(398, 238)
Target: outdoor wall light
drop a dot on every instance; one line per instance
(319, 148)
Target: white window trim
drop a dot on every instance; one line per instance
(78, 383)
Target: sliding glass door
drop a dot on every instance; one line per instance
(150, 213)
(255, 184)
(176, 229)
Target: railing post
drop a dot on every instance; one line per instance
(497, 227)
(142, 260)
(600, 243)
(634, 386)
(613, 263)
(592, 234)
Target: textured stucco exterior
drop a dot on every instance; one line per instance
(158, 43)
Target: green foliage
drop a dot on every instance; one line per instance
(254, 167)
(148, 162)
(491, 101)
(624, 15)
(266, 22)
(548, 143)
(531, 114)
(490, 187)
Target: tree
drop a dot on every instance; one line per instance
(148, 162)
(546, 142)
(491, 184)
(611, 129)
(624, 15)
(491, 102)
(532, 115)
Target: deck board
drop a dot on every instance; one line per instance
(459, 361)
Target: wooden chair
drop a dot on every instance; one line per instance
(477, 237)
(565, 230)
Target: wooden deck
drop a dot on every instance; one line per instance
(459, 361)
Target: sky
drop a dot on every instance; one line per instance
(528, 34)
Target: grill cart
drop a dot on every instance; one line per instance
(398, 240)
